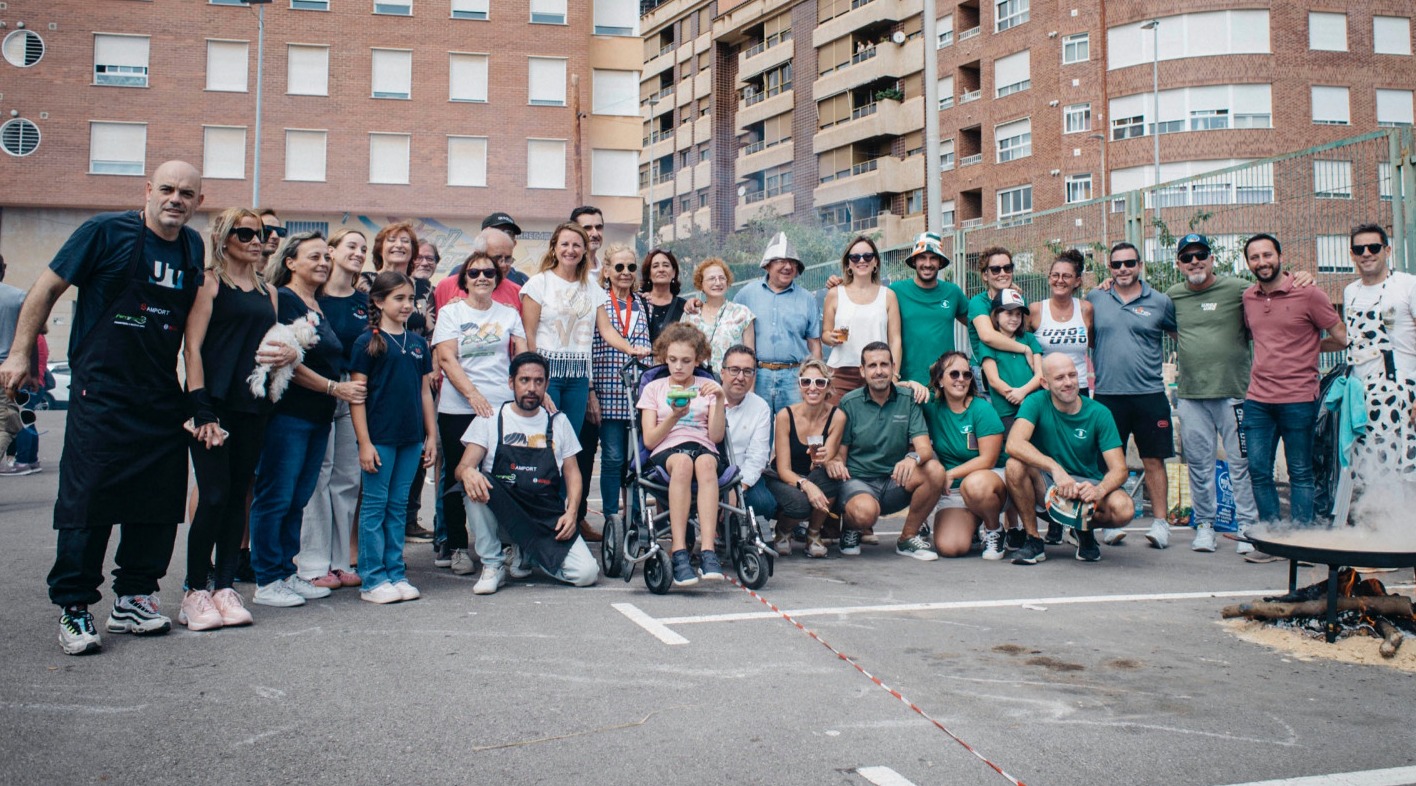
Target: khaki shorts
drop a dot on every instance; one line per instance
(955, 501)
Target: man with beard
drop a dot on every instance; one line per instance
(274, 232)
(928, 307)
(1287, 323)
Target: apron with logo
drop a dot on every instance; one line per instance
(1390, 439)
(525, 496)
(125, 451)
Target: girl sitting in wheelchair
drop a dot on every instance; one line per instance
(683, 420)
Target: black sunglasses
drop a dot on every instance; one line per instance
(481, 272)
(954, 373)
(1188, 256)
(246, 234)
(996, 269)
(1117, 264)
(868, 256)
(277, 231)
(620, 267)
(1370, 248)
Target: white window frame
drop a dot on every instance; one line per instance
(946, 93)
(1394, 108)
(1327, 31)
(614, 173)
(616, 11)
(213, 167)
(307, 55)
(1015, 13)
(221, 69)
(614, 93)
(1074, 186)
(1009, 63)
(128, 69)
(1332, 253)
(384, 168)
(1391, 35)
(945, 31)
(115, 165)
(1079, 42)
(464, 69)
(1016, 194)
(1332, 179)
(549, 12)
(466, 173)
(948, 211)
(1191, 35)
(1331, 91)
(947, 159)
(476, 10)
(1015, 146)
(1384, 182)
(398, 74)
(393, 7)
(1076, 118)
(545, 177)
(532, 91)
(309, 5)
(301, 163)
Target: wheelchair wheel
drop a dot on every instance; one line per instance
(657, 574)
(612, 547)
(634, 545)
(752, 567)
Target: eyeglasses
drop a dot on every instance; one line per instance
(274, 230)
(426, 258)
(954, 373)
(996, 269)
(868, 256)
(738, 371)
(506, 260)
(620, 267)
(1190, 256)
(1060, 276)
(1370, 248)
(1117, 264)
(245, 234)
(481, 272)
(808, 382)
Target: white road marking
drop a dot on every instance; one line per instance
(883, 776)
(1396, 776)
(656, 628)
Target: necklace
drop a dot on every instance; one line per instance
(402, 345)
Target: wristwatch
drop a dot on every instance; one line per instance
(916, 457)
(799, 482)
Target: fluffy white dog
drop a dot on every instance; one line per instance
(299, 335)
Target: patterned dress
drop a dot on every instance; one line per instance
(724, 331)
(1390, 441)
(615, 403)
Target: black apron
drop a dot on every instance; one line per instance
(525, 497)
(125, 451)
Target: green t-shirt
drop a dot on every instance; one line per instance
(1013, 368)
(1214, 347)
(926, 324)
(1078, 441)
(955, 434)
(879, 436)
(979, 306)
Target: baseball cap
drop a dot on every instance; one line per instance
(1008, 299)
(1193, 239)
(501, 221)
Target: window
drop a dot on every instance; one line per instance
(1332, 253)
(1393, 108)
(120, 60)
(1327, 32)
(1076, 48)
(388, 158)
(946, 218)
(226, 66)
(23, 48)
(467, 161)
(1330, 106)
(946, 92)
(1011, 74)
(1078, 188)
(471, 9)
(1128, 127)
(394, 7)
(393, 73)
(1014, 140)
(1009, 13)
(1391, 35)
(1200, 108)
(616, 17)
(1014, 203)
(1076, 118)
(1209, 119)
(224, 152)
(547, 12)
(945, 31)
(1384, 180)
(1202, 34)
(19, 137)
(545, 163)
(117, 148)
(227, 2)
(467, 77)
(613, 173)
(546, 76)
(1332, 179)
(307, 72)
(305, 155)
(309, 5)
(946, 155)
(1254, 186)
(614, 93)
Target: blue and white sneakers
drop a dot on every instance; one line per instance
(77, 635)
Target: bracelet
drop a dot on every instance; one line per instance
(329, 389)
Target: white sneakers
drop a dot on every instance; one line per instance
(277, 593)
(1113, 536)
(383, 593)
(305, 589)
(1158, 534)
(1204, 539)
(406, 591)
(993, 544)
(492, 579)
(514, 568)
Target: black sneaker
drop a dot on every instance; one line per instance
(1014, 539)
(442, 555)
(1087, 550)
(799, 533)
(684, 575)
(1054, 534)
(77, 634)
(850, 542)
(244, 572)
(1032, 552)
(414, 533)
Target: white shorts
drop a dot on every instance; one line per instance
(955, 501)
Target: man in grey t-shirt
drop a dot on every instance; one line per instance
(1130, 320)
(11, 299)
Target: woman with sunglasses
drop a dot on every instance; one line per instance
(801, 433)
(661, 287)
(995, 265)
(968, 440)
(859, 312)
(1063, 322)
(726, 324)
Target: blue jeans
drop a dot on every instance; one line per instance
(760, 498)
(778, 387)
(1264, 426)
(614, 437)
(382, 514)
(571, 395)
(285, 479)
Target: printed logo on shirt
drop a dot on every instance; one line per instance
(166, 276)
(1141, 311)
(1079, 433)
(480, 340)
(416, 352)
(361, 313)
(162, 312)
(1162, 424)
(1208, 306)
(944, 303)
(126, 320)
(967, 428)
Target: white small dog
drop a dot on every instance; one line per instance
(299, 335)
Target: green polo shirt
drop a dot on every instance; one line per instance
(879, 435)
(1077, 441)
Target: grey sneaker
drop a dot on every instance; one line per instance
(1204, 539)
(442, 556)
(305, 589)
(77, 634)
(850, 542)
(462, 562)
(916, 547)
(490, 581)
(515, 568)
(1158, 534)
(137, 614)
(1112, 537)
(1032, 552)
(276, 593)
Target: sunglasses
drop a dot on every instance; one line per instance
(620, 267)
(508, 259)
(996, 269)
(1370, 248)
(481, 272)
(246, 234)
(738, 371)
(868, 256)
(277, 231)
(808, 382)
(1190, 256)
(1117, 264)
(957, 374)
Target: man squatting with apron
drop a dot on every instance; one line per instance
(512, 472)
(125, 450)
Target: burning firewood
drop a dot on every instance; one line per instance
(1391, 638)
(1388, 606)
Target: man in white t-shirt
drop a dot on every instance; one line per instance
(511, 471)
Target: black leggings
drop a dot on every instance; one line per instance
(224, 477)
(450, 429)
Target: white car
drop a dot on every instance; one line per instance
(58, 398)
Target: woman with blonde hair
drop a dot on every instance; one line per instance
(726, 324)
(801, 434)
(858, 313)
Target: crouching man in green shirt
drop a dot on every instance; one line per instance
(1070, 440)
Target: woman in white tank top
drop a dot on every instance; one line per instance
(1063, 322)
(857, 313)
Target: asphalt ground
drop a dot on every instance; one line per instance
(1062, 673)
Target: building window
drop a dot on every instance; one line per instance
(393, 73)
(388, 158)
(914, 202)
(1391, 35)
(1393, 108)
(1201, 108)
(614, 93)
(20, 137)
(1078, 188)
(307, 71)
(120, 60)
(547, 12)
(946, 93)
(613, 173)
(117, 148)
(1384, 180)
(305, 155)
(1332, 254)
(1199, 34)
(1076, 118)
(1332, 179)
(945, 31)
(946, 217)
(946, 155)
(545, 163)
(1128, 127)
(467, 161)
(467, 77)
(471, 9)
(617, 17)
(227, 2)
(224, 152)
(1012, 74)
(1014, 204)
(1076, 48)
(546, 78)
(1009, 13)
(309, 5)
(1330, 106)
(394, 7)
(24, 48)
(1209, 119)
(226, 66)
(1014, 140)
(1327, 32)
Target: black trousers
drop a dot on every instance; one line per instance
(589, 444)
(224, 476)
(450, 429)
(144, 551)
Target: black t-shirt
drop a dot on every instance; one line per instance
(97, 256)
(395, 403)
(349, 316)
(324, 358)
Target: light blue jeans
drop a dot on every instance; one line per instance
(579, 569)
(383, 511)
(778, 387)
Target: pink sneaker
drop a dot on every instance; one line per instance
(348, 578)
(233, 611)
(198, 612)
(328, 581)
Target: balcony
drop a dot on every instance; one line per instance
(888, 118)
(702, 129)
(971, 95)
(863, 14)
(660, 62)
(889, 61)
(764, 57)
(972, 32)
(761, 106)
(782, 204)
(764, 155)
(885, 175)
(657, 96)
(970, 160)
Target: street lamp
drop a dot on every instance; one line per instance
(1154, 26)
(260, 62)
